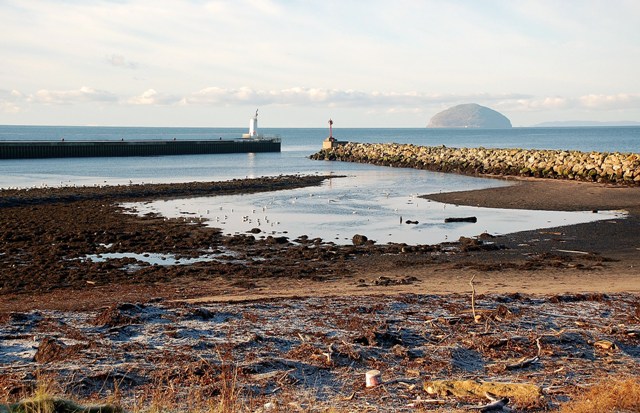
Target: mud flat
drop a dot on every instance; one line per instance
(299, 322)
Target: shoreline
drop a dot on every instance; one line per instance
(547, 194)
(293, 320)
(580, 252)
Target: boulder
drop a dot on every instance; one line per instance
(359, 240)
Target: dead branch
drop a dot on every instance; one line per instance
(476, 318)
(420, 401)
(526, 362)
(329, 353)
(495, 406)
(522, 363)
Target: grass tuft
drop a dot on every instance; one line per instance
(616, 395)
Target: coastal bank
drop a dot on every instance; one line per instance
(604, 167)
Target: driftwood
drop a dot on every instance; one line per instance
(522, 363)
(420, 402)
(526, 362)
(462, 219)
(496, 405)
(605, 344)
(476, 317)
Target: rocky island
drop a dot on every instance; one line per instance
(469, 115)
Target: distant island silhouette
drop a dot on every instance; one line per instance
(577, 123)
(469, 115)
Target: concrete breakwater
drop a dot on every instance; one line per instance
(586, 166)
(86, 149)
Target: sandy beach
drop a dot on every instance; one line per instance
(48, 231)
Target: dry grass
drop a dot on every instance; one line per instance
(44, 401)
(610, 395)
(615, 395)
(230, 397)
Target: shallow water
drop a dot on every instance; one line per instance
(297, 145)
(370, 201)
(163, 259)
(375, 204)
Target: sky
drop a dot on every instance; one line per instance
(366, 63)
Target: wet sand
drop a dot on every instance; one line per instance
(48, 231)
(550, 195)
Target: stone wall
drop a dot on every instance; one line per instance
(587, 166)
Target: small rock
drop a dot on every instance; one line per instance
(359, 240)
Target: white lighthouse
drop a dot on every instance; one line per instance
(253, 127)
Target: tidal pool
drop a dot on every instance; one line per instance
(375, 205)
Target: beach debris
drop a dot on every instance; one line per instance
(495, 405)
(474, 244)
(116, 315)
(605, 345)
(461, 219)
(476, 317)
(419, 401)
(522, 363)
(526, 362)
(373, 378)
(52, 350)
(574, 252)
(295, 346)
(476, 388)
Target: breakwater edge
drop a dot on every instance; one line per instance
(604, 167)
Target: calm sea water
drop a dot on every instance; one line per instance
(297, 144)
(372, 200)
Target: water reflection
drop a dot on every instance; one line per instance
(374, 204)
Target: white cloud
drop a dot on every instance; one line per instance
(387, 108)
(592, 102)
(63, 97)
(120, 61)
(332, 97)
(538, 103)
(10, 101)
(604, 102)
(383, 57)
(9, 107)
(151, 97)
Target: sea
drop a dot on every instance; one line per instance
(371, 200)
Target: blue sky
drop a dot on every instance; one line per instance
(363, 63)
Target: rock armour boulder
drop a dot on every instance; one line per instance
(613, 167)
